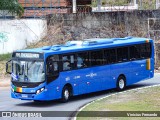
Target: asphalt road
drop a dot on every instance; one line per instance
(9, 104)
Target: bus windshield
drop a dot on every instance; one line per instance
(28, 71)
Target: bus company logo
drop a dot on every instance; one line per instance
(67, 78)
(91, 75)
(6, 114)
(77, 77)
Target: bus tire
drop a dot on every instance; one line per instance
(66, 93)
(121, 83)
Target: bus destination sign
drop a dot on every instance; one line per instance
(27, 55)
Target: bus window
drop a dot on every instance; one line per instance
(52, 64)
(146, 50)
(82, 60)
(55, 64)
(106, 57)
(96, 58)
(122, 54)
(113, 58)
(68, 62)
(135, 52)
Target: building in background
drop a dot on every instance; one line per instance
(39, 8)
(108, 6)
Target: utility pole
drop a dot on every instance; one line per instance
(140, 4)
(99, 4)
(157, 4)
(135, 4)
(74, 6)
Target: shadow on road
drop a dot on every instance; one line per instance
(77, 98)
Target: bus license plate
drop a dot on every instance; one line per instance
(24, 95)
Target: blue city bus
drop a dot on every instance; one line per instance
(80, 67)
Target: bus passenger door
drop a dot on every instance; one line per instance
(52, 74)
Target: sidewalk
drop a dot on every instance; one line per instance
(5, 81)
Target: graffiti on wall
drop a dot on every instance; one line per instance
(4, 37)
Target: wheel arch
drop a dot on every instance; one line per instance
(70, 88)
(122, 76)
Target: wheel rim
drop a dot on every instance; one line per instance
(121, 83)
(66, 94)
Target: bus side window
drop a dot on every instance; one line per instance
(112, 56)
(68, 62)
(122, 54)
(96, 57)
(55, 66)
(146, 50)
(82, 60)
(106, 57)
(135, 52)
(52, 64)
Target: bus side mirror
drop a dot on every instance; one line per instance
(8, 67)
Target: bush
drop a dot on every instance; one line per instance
(5, 57)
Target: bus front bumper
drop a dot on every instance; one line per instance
(29, 96)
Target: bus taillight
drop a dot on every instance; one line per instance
(147, 41)
(148, 64)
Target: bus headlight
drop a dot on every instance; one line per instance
(39, 90)
(42, 89)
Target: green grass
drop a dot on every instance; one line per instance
(137, 100)
(5, 57)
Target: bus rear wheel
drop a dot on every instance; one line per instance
(66, 93)
(121, 83)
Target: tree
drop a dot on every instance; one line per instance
(12, 6)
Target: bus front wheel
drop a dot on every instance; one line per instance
(66, 94)
(121, 83)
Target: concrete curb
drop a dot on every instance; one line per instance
(85, 105)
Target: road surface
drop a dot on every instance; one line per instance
(9, 104)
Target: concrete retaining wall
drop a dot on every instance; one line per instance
(17, 34)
